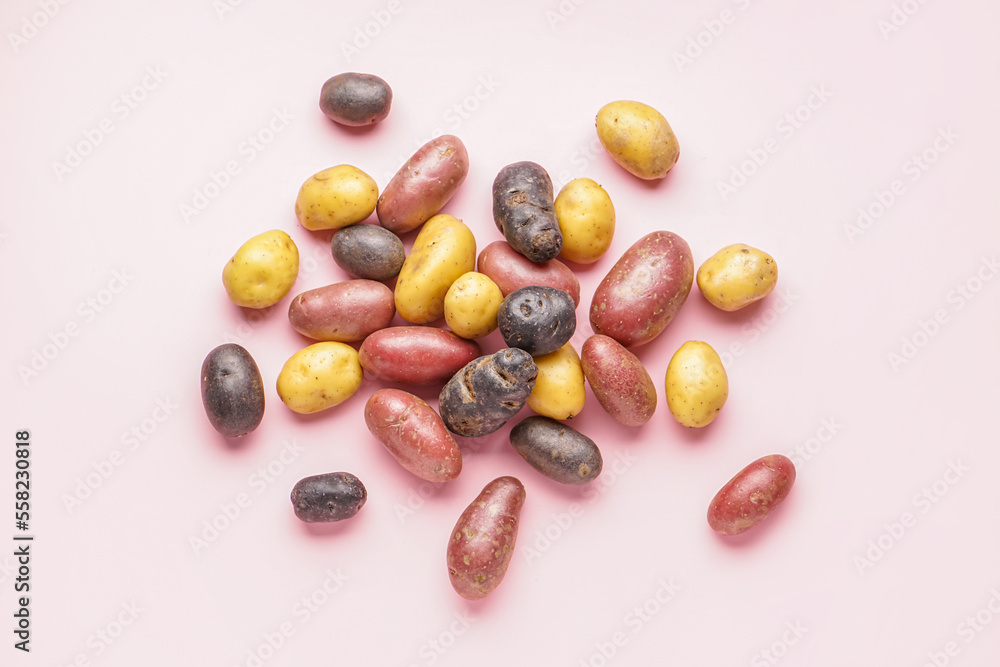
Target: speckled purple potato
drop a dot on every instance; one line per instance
(537, 319)
(232, 390)
(556, 450)
(524, 212)
(332, 496)
(368, 251)
(487, 392)
(355, 99)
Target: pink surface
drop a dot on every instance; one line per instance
(873, 365)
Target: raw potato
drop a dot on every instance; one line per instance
(345, 312)
(368, 251)
(484, 395)
(696, 383)
(355, 99)
(511, 270)
(482, 542)
(736, 276)
(537, 319)
(443, 250)
(556, 450)
(262, 271)
(751, 496)
(559, 390)
(232, 390)
(416, 355)
(319, 377)
(333, 496)
(638, 138)
(335, 198)
(471, 305)
(524, 212)
(424, 184)
(414, 435)
(586, 219)
(619, 380)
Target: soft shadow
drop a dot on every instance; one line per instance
(756, 534)
(329, 530)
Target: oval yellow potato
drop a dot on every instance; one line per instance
(736, 276)
(697, 385)
(443, 250)
(638, 137)
(319, 377)
(335, 198)
(471, 305)
(262, 271)
(559, 390)
(586, 220)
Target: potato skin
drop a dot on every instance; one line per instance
(587, 220)
(737, 276)
(511, 270)
(537, 319)
(443, 250)
(416, 355)
(696, 383)
(345, 312)
(319, 377)
(332, 496)
(424, 184)
(262, 271)
(471, 305)
(232, 390)
(644, 290)
(523, 210)
(638, 138)
(414, 435)
(751, 496)
(482, 542)
(560, 392)
(487, 392)
(368, 251)
(619, 381)
(355, 99)
(556, 450)
(336, 197)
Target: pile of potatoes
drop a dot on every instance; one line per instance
(517, 285)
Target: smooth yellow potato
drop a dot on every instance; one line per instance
(586, 220)
(696, 383)
(471, 305)
(319, 377)
(638, 138)
(443, 250)
(736, 276)
(559, 390)
(262, 271)
(335, 198)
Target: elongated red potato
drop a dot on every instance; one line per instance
(619, 380)
(423, 185)
(345, 312)
(511, 270)
(416, 355)
(414, 434)
(751, 496)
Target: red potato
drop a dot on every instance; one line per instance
(416, 355)
(644, 290)
(482, 542)
(344, 312)
(751, 496)
(414, 434)
(511, 271)
(619, 380)
(423, 185)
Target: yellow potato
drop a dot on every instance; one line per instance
(559, 390)
(335, 198)
(697, 384)
(586, 219)
(443, 250)
(736, 276)
(638, 137)
(262, 271)
(471, 305)
(319, 376)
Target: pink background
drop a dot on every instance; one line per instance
(116, 580)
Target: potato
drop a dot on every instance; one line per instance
(416, 355)
(696, 383)
(537, 319)
(355, 99)
(471, 305)
(482, 542)
(556, 450)
(511, 270)
(524, 213)
(319, 377)
(368, 251)
(262, 271)
(751, 496)
(423, 185)
(443, 250)
(644, 290)
(335, 198)
(232, 390)
(736, 276)
(638, 138)
(586, 219)
(332, 496)
(345, 312)
(414, 435)
(559, 390)
(619, 380)
(487, 392)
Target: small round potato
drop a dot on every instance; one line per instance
(586, 219)
(319, 377)
(736, 276)
(559, 390)
(335, 198)
(262, 271)
(537, 319)
(355, 99)
(696, 383)
(471, 305)
(368, 251)
(638, 138)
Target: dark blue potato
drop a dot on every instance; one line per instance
(487, 392)
(537, 319)
(523, 211)
(355, 99)
(368, 251)
(232, 391)
(556, 450)
(333, 496)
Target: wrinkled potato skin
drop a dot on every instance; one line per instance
(697, 385)
(586, 219)
(737, 276)
(751, 496)
(638, 138)
(619, 380)
(416, 355)
(262, 271)
(511, 270)
(524, 212)
(487, 392)
(336, 197)
(370, 252)
(355, 99)
(345, 312)
(232, 390)
(423, 185)
(560, 392)
(443, 250)
(319, 377)
(482, 542)
(414, 435)
(556, 450)
(537, 319)
(471, 305)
